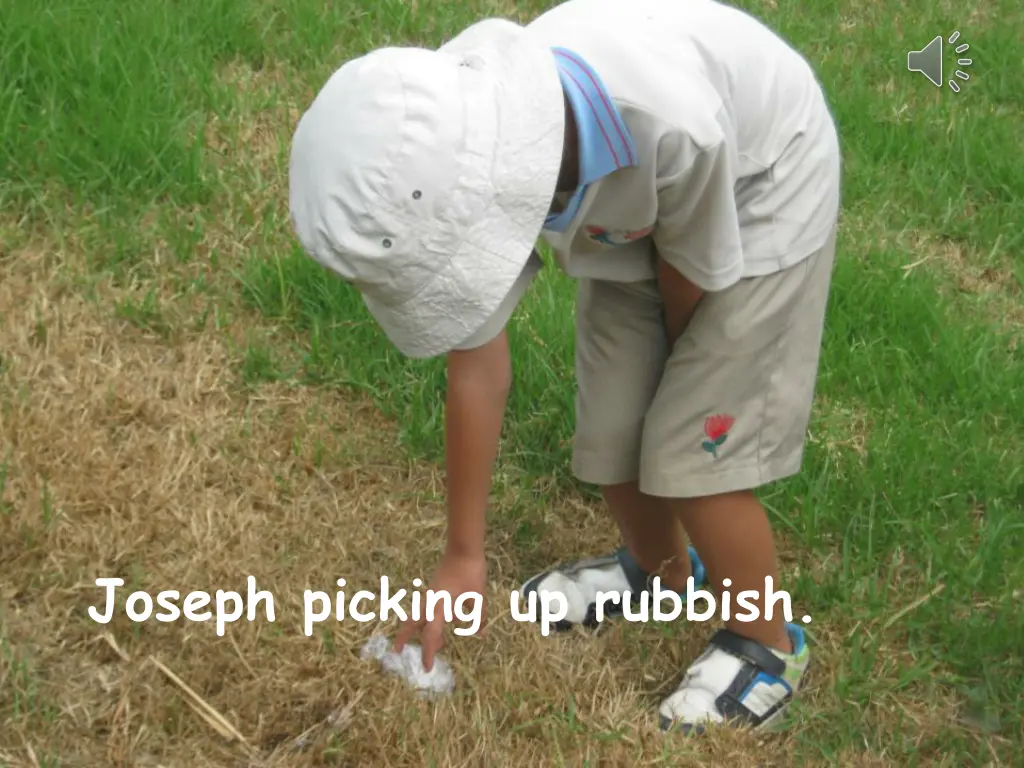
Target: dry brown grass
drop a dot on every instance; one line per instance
(992, 287)
(842, 428)
(133, 456)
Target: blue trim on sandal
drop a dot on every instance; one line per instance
(697, 569)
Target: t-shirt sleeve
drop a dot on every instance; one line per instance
(497, 322)
(698, 229)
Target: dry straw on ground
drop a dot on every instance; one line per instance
(137, 456)
(133, 455)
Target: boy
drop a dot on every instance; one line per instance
(682, 163)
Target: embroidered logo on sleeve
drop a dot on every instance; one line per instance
(616, 237)
(716, 428)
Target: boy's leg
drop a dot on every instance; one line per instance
(651, 533)
(734, 537)
(621, 351)
(730, 416)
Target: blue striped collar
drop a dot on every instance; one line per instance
(605, 143)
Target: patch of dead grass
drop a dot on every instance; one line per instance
(842, 428)
(971, 277)
(262, 120)
(133, 455)
(993, 285)
(128, 456)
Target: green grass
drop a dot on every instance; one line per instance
(106, 99)
(102, 113)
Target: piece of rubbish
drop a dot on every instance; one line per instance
(408, 665)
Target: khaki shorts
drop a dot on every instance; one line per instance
(726, 410)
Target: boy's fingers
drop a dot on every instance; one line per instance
(432, 636)
(405, 634)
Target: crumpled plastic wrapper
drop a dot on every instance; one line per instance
(439, 681)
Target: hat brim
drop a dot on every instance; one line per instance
(514, 130)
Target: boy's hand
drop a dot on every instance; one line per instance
(457, 574)
(680, 298)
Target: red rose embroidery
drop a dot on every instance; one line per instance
(717, 430)
(631, 236)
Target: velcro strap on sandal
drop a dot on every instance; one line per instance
(586, 564)
(750, 651)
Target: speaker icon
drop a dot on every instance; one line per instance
(928, 61)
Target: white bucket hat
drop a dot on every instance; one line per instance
(424, 178)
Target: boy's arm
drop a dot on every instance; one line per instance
(479, 381)
(697, 237)
(679, 297)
